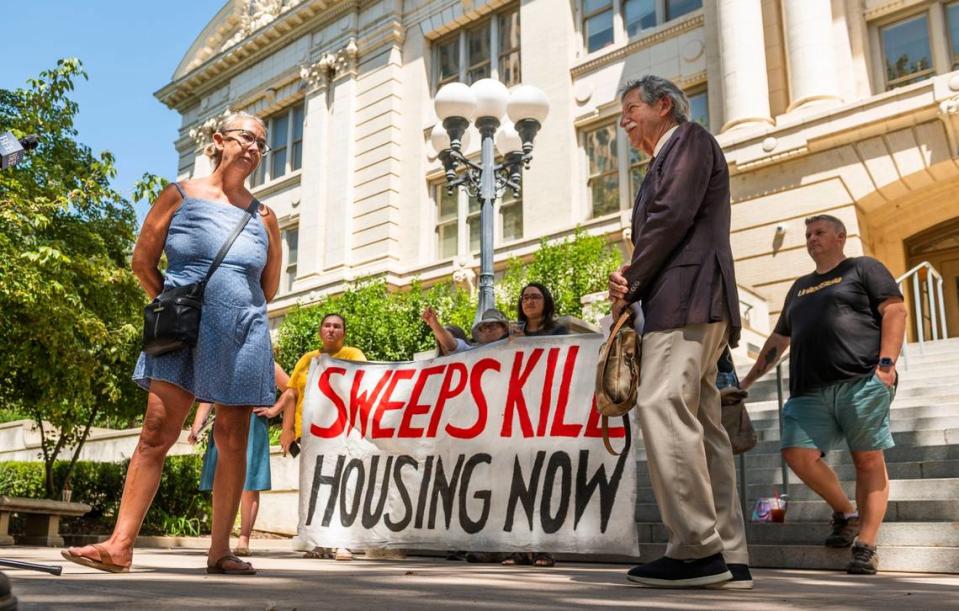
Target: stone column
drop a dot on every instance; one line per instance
(316, 78)
(809, 53)
(341, 145)
(743, 59)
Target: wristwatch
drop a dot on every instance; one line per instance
(886, 363)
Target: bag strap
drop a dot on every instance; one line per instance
(609, 446)
(623, 318)
(250, 211)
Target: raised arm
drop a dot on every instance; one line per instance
(443, 337)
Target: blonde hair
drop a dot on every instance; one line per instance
(224, 122)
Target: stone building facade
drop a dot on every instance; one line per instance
(846, 107)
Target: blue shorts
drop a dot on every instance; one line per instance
(857, 411)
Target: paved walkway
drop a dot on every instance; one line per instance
(175, 579)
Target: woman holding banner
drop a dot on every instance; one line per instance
(232, 364)
(333, 335)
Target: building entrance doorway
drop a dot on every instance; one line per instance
(939, 245)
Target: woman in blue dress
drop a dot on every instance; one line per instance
(232, 363)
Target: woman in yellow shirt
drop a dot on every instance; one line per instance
(333, 335)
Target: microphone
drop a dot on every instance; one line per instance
(12, 150)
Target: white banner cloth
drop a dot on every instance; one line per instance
(495, 449)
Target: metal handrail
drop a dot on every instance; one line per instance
(934, 299)
(743, 481)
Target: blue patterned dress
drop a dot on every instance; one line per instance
(232, 363)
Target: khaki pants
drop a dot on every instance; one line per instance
(691, 465)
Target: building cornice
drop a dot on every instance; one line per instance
(287, 25)
(619, 54)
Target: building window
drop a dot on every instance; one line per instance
(447, 225)
(952, 25)
(677, 8)
(458, 215)
(468, 55)
(291, 237)
(610, 156)
(639, 15)
(447, 60)
(285, 132)
(597, 24)
(511, 216)
(638, 164)
(509, 64)
(603, 182)
(699, 108)
(905, 51)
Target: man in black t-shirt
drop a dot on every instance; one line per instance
(845, 323)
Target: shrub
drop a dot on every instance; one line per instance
(179, 507)
(386, 324)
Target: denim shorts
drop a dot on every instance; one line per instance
(857, 411)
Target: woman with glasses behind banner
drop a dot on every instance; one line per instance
(232, 363)
(536, 312)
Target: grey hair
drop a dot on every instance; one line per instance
(222, 123)
(654, 88)
(837, 224)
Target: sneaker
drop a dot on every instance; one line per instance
(742, 578)
(671, 573)
(865, 560)
(343, 554)
(844, 530)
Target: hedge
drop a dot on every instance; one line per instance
(179, 508)
(386, 324)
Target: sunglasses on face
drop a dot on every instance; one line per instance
(245, 138)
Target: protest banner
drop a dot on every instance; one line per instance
(495, 449)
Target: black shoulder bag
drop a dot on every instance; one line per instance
(172, 320)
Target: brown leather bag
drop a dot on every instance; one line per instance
(742, 435)
(617, 374)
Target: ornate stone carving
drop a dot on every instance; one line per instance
(347, 59)
(317, 75)
(950, 106)
(202, 134)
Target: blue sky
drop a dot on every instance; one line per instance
(129, 49)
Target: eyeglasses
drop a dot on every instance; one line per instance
(246, 138)
(531, 297)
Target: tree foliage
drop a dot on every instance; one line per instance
(69, 305)
(387, 327)
(570, 268)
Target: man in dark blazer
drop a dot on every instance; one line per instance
(682, 274)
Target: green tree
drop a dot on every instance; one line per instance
(70, 308)
(384, 324)
(570, 268)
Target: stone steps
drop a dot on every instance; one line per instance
(934, 437)
(905, 559)
(941, 510)
(899, 534)
(921, 529)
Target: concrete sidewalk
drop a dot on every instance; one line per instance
(175, 579)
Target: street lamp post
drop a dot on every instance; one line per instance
(486, 104)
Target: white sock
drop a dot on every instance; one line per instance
(850, 514)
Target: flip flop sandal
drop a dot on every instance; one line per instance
(517, 558)
(543, 560)
(218, 569)
(105, 563)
